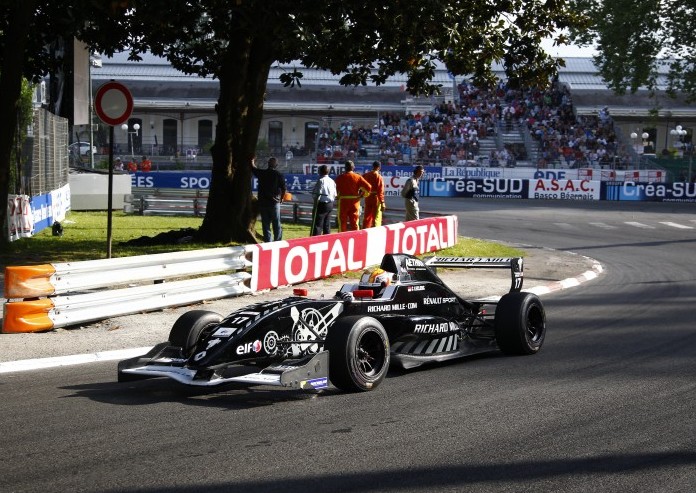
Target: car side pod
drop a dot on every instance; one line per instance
(308, 373)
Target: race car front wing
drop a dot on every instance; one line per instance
(308, 373)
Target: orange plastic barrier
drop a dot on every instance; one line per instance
(28, 281)
(27, 316)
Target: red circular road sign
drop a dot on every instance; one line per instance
(113, 103)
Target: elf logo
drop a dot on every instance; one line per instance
(249, 347)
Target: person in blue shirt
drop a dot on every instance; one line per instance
(324, 193)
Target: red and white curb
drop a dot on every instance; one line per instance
(571, 282)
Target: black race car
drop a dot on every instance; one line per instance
(401, 313)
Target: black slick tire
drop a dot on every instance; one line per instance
(520, 323)
(188, 328)
(358, 353)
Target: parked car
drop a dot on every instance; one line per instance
(81, 148)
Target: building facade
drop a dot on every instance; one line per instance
(175, 112)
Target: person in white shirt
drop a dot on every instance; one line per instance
(324, 193)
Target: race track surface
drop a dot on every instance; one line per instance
(607, 405)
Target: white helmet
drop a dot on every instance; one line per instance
(376, 278)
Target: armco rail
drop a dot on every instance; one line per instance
(43, 297)
(175, 202)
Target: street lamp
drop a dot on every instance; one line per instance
(680, 133)
(636, 147)
(131, 135)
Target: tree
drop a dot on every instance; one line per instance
(27, 29)
(636, 40)
(237, 42)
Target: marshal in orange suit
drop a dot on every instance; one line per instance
(374, 201)
(351, 187)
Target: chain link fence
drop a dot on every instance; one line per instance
(47, 166)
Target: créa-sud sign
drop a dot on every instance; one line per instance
(280, 263)
(499, 188)
(651, 192)
(565, 189)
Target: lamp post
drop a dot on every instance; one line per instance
(131, 135)
(644, 136)
(680, 133)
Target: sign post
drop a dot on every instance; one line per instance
(114, 105)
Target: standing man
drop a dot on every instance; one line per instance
(374, 201)
(411, 192)
(324, 193)
(351, 187)
(145, 164)
(271, 192)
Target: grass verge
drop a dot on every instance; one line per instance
(84, 238)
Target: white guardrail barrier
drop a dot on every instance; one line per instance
(48, 296)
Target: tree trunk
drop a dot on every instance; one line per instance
(10, 94)
(230, 214)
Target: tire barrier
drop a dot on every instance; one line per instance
(49, 296)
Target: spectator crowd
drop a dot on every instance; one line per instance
(451, 133)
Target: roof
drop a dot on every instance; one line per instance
(156, 84)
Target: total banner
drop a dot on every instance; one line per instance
(282, 263)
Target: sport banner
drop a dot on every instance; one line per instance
(282, 263)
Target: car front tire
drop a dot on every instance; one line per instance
(358, 353)
(188, 328)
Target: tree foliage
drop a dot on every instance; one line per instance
(364, 42)
(238, 41)
(28, 29)
(637, 40)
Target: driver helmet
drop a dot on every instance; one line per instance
(376, 278)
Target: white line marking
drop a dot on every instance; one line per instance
(639, 225)
(76, 359)
(564, 225)
(603, 225)
(675, 225)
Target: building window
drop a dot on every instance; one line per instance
(275, 137)
(169, 136)
(205, 135)
(311, 132)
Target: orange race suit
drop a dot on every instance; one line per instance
(351, 187)
(374, 201)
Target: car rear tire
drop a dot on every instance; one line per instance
(520, 323)
(358, 353)
(188, 328)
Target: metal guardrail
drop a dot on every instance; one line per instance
(42, 297)
(172, 202)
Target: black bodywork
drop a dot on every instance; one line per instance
(284, 342)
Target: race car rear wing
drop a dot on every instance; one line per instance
(515, 264)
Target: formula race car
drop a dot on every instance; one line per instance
(401, 313)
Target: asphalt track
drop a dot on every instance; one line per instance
(606, 405)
